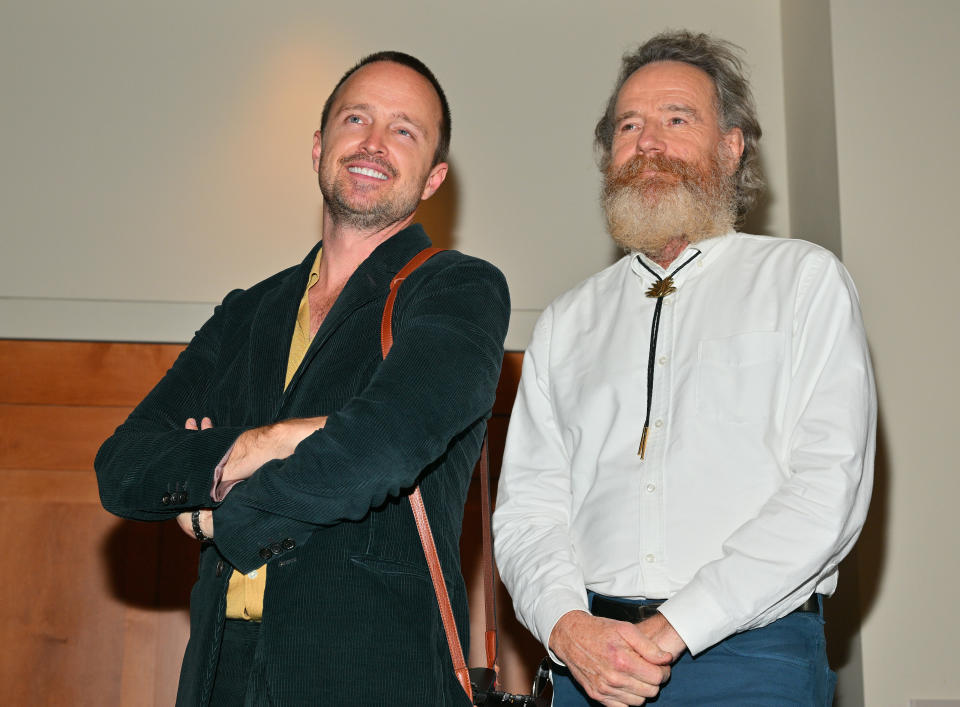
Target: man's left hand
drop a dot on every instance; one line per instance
(662, 632)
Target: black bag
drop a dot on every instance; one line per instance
(483, 682)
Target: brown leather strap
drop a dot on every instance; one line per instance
(489, 576)
(416, 500)
(440, 587)
(386, 324)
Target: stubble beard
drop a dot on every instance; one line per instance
(365, 214)
(681, 201)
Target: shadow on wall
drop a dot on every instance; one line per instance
(150, 565)
(861, 572)
(440, 214)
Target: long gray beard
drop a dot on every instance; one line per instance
(648, 214)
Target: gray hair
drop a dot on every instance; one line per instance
(720, 60)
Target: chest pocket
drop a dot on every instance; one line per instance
(738, 376)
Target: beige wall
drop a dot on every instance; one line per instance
(896, 68)
(156, 158)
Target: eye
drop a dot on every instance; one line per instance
(677, 120)
(627, 127)
(356, 119)
(404, 132)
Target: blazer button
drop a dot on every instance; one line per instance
(166, 499)
(266, 553)
(289, 544)
(183, 497)
(219, 567)
(276, 548)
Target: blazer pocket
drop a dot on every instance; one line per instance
(737, 376)
(383, 566)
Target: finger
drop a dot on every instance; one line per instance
(612, 688)
(645, 647)
(206, 423)
(191, 424)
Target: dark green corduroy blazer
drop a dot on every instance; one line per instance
(350, 616)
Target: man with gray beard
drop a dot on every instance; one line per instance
(690, 454)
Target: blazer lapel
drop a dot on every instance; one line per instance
(270, 337)
(369, 282)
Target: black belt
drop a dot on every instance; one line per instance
(620, 610)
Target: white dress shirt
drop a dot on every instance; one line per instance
(759, 459)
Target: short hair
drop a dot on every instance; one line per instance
(443, 145)
(720, 60)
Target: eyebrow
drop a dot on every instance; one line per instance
(668, 108)
(680, 108)
(399, 115)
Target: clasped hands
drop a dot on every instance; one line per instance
(619, 664)
(250, 451)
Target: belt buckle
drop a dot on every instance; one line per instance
(645, 611)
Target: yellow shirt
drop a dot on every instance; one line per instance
(245, 592)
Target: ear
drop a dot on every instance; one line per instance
(434, 180)
(733, 139)
(317, 147)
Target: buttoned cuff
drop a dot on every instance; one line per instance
(698, 617)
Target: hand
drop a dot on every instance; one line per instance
(184, 520)
(614, 661)
(205, 424)
(256, 447)
(662, 632)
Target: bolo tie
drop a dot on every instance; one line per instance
(663, 287)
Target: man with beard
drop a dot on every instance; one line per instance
(313, 587)
(690, 453)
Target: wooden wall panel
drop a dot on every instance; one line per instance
(97, 613)
(81, 373)
(54, 436)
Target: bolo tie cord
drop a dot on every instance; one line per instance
(660, 289)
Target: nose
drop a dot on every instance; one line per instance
(650, 139)
(373, 142)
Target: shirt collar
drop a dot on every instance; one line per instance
(709, 248)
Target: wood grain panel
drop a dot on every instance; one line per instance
(54, 436)
(81, 372)
(507, 385)
(45, 486)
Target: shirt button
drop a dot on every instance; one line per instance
(650, 558)
(253, 575)
(662, 360)
(650, 489)
(658, 423)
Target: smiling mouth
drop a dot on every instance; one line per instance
(367, 172)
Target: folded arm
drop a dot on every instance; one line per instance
(439, 378)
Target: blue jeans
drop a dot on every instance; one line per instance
(784, 663)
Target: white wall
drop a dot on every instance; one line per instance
(896, 68)
(157, 158)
